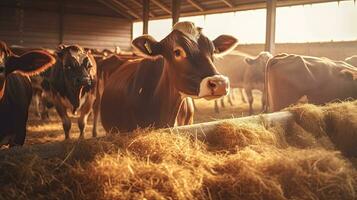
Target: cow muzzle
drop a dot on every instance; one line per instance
(85, 81)
(214, 87)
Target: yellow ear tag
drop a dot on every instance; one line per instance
(147, 47)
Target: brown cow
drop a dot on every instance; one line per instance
(16, 91)
(72, 85)
(150, 91)
(352, 60)
(106, 68)
(245, 71)
(292, 77)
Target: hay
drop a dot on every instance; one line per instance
(335, 124)
(236, 161)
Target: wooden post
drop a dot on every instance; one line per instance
(146, 10)
(175, 11)
(61, 19)
(270, 26)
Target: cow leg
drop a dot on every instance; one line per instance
(222, 102)
(242, 95)
(194, 105)
(36, 101)
(230, 98)
(233, 96)
(185, 113)
(264, 109)
(190, 111)
(46, 103)
(85, 112)
(20, 134)
(216, 108)
(66, 122)
(250, 100)
(96, 107)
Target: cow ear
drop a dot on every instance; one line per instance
(31, 63)
(59, 50)
(146, 46)
(224, 44)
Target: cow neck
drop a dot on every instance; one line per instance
(167, 97)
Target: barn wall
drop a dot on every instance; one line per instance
(97, 32)
(332, 50)
(37, 28)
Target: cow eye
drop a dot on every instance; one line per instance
(177, 53)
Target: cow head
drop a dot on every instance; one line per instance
(258, 65)
(30, 63)
(79, 69)
(188, 56)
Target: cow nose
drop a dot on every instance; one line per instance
(213, 87)
(85, 81)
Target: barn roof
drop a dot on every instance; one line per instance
(159, 9)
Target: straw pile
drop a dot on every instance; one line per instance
(312, 160)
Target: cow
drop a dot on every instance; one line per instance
(71, 85)
(245, 72)
(150, 92)
(105, 68)
(290, 78)
(352, 60)
(16, 91)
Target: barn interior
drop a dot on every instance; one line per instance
(285, 159)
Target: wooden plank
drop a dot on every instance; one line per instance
(176, 4)
(140, 5)
(196, 131)
(270, 26)
(195, 4)
(116, 9)
(127, 9)
(228, 3)
(146, 9)
(162, 6)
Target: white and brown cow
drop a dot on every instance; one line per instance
(16, 91)
(245, 72)
(152, 91)
(291, 77)
(71, 84)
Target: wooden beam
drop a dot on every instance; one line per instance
(127, 9)
(146, 8)
(228, 3)
(117, 10)
(176, 8)
(195, 4)
(162, 6)
(242, 7)
(270, 26)
(61, 21)
(140, 5)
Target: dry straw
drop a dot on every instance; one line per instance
(310, 160)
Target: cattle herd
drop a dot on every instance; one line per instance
(155, 87)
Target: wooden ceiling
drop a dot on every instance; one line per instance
(159, 9)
